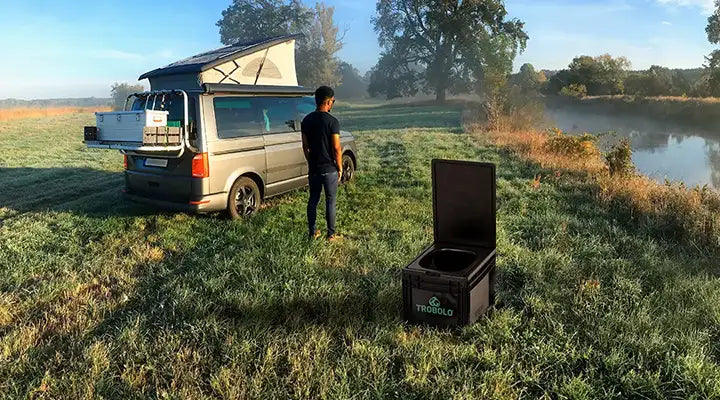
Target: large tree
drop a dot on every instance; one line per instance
(442, 45)
(316, 60)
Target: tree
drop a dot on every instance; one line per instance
(317, 65)
(442, 45)
(120, 92)
(600, 75)
(353, 85)
(528, 80)
(713, 60)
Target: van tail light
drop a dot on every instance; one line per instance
(200, 166)
(124, 161)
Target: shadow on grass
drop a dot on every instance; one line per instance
(400, 117)
(82, 191)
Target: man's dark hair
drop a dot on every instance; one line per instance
(323, 93)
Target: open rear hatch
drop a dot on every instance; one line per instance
(158, 122)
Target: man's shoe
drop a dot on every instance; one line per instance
(334, 238)
(315, 235)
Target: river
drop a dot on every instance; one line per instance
(661, 150)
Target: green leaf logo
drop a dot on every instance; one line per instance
(434, 302)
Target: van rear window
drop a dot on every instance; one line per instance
(252, 116)
(173, 104)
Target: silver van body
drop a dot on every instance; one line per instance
(236, 131)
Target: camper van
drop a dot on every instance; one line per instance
(219, 131)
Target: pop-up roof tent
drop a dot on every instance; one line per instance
(265, 62)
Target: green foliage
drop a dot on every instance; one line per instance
(528, 80)
(119, 92)
(570, 145)
(619, 158)
(657, 81)
(601, 75)
(442, 47)
(574, 90)
(316, 61)
(512, 109)
(353, 85)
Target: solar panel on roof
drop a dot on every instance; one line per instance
(202, 61)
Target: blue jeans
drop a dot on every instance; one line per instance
(329, 181)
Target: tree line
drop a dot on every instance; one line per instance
(607, 75)
(428, 46)
(442, 47)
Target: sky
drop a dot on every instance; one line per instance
(78, 48)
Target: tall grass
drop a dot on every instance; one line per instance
(672, 209)
(21, 113)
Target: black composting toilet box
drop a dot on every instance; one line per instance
(452, 282)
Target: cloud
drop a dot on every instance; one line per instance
(666, 23)
(707, 6)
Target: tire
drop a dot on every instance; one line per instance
(244, 198)
(348, 169)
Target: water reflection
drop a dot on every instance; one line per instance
(661, 150)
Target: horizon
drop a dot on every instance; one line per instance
(670, 33)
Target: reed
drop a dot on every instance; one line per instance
(20, 113)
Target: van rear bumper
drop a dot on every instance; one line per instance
(205, 204)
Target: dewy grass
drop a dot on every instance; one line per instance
(104, 298)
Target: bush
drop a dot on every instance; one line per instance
(619, 158)
(571, 146)
(513, 110)
(574, 90)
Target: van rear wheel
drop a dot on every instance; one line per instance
(244, 199)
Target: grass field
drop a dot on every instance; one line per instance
(103, 298)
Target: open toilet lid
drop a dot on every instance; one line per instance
(464, 208)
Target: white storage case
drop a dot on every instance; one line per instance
(127, 126)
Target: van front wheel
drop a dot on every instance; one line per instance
(348, 168)
(244, 199)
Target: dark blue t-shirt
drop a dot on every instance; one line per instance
(318, 128)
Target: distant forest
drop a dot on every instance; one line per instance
(48, 103)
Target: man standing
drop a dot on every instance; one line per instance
(321, 145)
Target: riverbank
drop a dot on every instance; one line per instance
(670, 210)
(698, 112)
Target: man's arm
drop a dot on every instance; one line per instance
(338, 152)
(306, 148)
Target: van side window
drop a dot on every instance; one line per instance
(278, 114)
(305, 106)
(236, 117)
